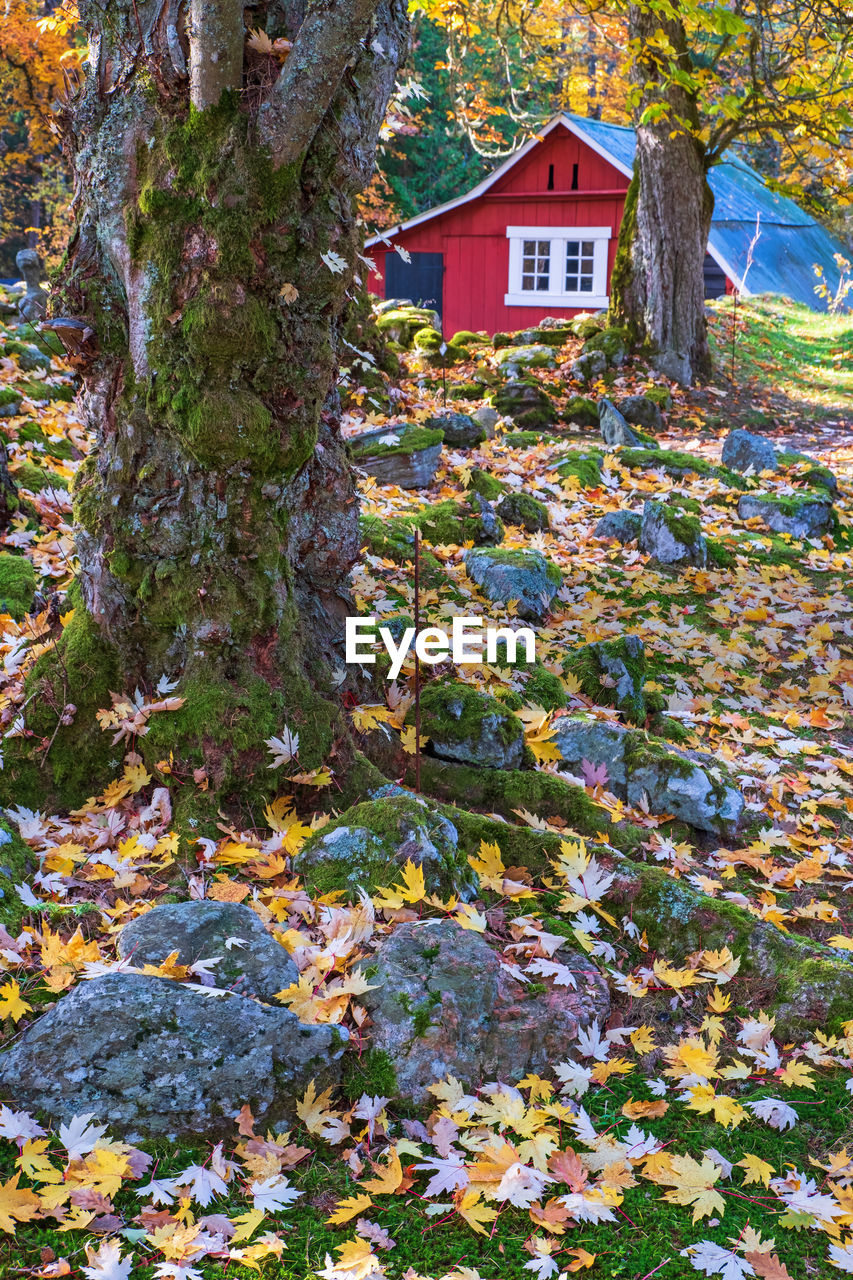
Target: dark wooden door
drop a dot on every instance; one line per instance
(715, 278)
(421, 280)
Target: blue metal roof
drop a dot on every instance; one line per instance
(791, 241)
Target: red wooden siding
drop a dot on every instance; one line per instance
(473, 239)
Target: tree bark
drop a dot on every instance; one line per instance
(657, 286)
(217, 517)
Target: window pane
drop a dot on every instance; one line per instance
(535, 266)
(586, 284)
(586, 248)
(572, 248)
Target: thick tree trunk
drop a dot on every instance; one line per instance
(657, 288)
(217, 517)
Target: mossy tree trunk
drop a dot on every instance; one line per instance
(215, 248)
(657, 286)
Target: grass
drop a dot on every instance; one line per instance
(804, 355)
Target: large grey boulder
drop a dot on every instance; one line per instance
(744, 451)
(443, 1004)
(403, 455)
(368, 845)
(801, 517)
(643, 412)
(155, 1058)
(471, 727)
(690, 785)
(248, 959)
(670, 537)
(615, 430)
(621, 526)
(525, 576)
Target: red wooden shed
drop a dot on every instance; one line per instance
(538, 236)
(500, 256)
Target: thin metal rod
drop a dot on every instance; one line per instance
(417, 661)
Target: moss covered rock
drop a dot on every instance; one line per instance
(443, 1004)
(612, 673)
(589, 366)
(670, 537)
(643, 412)
(35, 478)
(487, 485)
(17, 585)
(526, 402)
(458, 523)
(614, 344)
(582, 411)
(367, 847)
(746, 451)
(524, 576)
(801, 517)
(621, 526)
(522, 510)
(400, 324)
(406, 456)
(10, 402)
(512, 360)
(585, 467)
(688, 785)
(460, 431)
(466, 725)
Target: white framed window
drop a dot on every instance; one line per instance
(563, 266)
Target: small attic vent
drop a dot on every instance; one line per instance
(550, 177)
(574, 177)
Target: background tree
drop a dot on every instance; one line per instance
(40, 57)
(705, 76)
(213, 254)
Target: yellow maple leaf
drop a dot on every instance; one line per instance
(369, 715)
(691, 1183)
(35, 1164)
(643, 1039)
(357, 1260)
(797, 1073)
(347, 1209)
(757, 1170)
(11, 1004)
(247, 1224)
(410, 888)
(16, 1205)
(388, 1179)
(704, 1099)
(470, 1207)
(489, 866)
(581, 1259)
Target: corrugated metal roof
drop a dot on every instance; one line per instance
(783, 260)
(740, 193)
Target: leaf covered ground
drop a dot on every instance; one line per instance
(685, 1137)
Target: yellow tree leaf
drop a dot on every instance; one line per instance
(16, 1205)
(11, 1004)
(471, 1208)
(348, 1208)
